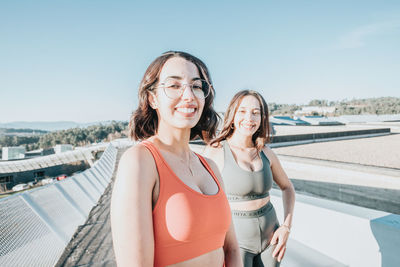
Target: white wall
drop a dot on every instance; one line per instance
(352, 235)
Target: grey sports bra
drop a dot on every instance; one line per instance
(245, 185)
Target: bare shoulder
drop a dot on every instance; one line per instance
(270, 154)
(135, 180)
(212, 150)
(137, 162)
(135, 152)
(216, 154)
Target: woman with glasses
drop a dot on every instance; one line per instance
(248, 167)
(168, 206)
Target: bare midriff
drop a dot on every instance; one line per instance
(249, 205)
(212, 258)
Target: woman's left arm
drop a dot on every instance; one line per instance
(281, 235)
(231, 246)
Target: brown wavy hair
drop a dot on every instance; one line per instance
(261, 136)
(144, 121)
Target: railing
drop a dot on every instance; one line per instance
(36, 225)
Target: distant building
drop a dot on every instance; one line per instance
(10, 153)
(314, 110)
(34, 153)
(63, 148)
(370, 118)
(320, 120)
(38, 168)
(286, 120)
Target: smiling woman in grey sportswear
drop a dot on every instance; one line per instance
(248, 167)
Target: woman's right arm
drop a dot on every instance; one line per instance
(131, 208)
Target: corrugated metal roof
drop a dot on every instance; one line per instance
(50, 160)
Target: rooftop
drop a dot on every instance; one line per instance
(382, 151)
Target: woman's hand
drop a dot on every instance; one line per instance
(280, 238)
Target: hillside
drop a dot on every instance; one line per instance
(378, 106)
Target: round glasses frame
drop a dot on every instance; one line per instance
(174, 88)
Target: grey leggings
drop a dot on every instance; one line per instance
(254, 231)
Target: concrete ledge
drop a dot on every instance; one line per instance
(352, 235)
(301, 139)
(341, 173)
(327, 135)
(369, 197)
(319, 140)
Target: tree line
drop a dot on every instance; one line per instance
(74, 136)
(375, 106)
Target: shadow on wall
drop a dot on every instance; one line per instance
(386, 231)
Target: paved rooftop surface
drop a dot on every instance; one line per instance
(298, 129)
(382, 151)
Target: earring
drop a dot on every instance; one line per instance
(232, 126)
(151, 101)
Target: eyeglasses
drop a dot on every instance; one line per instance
(174, 88)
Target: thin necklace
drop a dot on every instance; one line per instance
(187, 163)
(184, 162)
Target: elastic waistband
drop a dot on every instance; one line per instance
(234, 198)
(253, 213)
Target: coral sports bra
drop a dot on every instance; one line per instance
(186, 223)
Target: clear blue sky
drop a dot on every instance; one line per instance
(83, 60)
